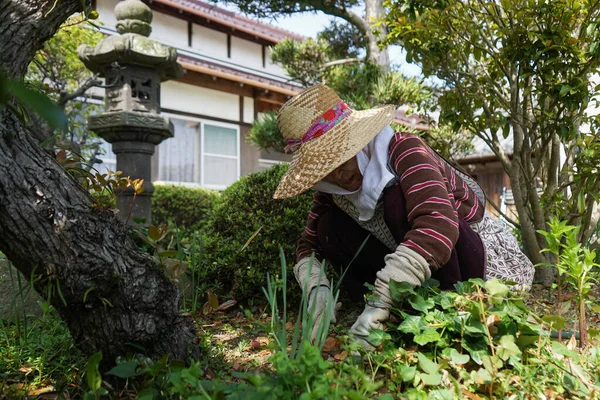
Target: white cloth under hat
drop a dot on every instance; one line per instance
(373, 162)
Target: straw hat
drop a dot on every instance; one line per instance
(323, 132)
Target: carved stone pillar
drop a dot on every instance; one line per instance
(133, 66)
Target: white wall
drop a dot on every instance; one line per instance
(106, 12)
(248, 110)
(198, 100)
(209, 41)
(246, 53)
(170, 30)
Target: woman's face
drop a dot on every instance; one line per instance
(347, 175)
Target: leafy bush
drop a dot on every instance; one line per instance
(187, 207)
(246, 230)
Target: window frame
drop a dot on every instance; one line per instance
(203, 153)
(200, 143)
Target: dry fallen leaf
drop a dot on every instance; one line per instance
(329, 344)
(255, 344)
(572, 344)
(470, 395)
(45, 390)
(236, 365)
(263, 340)
(342, 356)
(492, 319)
(289, 326)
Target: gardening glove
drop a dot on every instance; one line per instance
(404, 265)
(310, 277)
(315, 284)
(371, 318)
(320, 298)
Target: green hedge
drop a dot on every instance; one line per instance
(187, 207)
(243, 209)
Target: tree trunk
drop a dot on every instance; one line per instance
(374, 12)
(109, 294)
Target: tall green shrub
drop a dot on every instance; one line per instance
(187, 207)
(246, 230)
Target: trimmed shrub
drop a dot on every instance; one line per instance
(246, 230)
(187, 207)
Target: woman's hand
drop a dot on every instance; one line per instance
(371, 318)
(319, 300)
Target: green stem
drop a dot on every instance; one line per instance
(582, 319)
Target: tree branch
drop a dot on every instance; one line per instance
(339, 62)
(66, 97)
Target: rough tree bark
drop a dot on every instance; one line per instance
(109, 294)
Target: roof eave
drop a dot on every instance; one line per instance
(228, 24)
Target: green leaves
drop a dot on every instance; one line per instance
(496, 288)
(429, 335)
(34, 101)
(412, 324)
(556, 322)
(507, 348)
(127, 369)
(426, 364)
(458, 358)
(377, 337)
(92, 375)
(419, 303)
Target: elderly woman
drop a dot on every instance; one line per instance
(424, 217)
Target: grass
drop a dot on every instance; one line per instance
(44, 360)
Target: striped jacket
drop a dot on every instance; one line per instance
(435, 197)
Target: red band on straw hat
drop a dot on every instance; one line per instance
(322, 125)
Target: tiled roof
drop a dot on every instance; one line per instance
(246, 77)
(232, 19)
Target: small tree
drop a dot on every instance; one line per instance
(517, 67)
(57, 71)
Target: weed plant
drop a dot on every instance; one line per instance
(479, 341)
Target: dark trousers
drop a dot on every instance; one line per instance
(340, 238)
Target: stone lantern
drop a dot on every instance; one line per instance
(133, 66)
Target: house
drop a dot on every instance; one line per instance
(229, 80)
(483, 165)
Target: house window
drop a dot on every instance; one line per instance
(178, 156)
(201, 153)
(220, 156)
